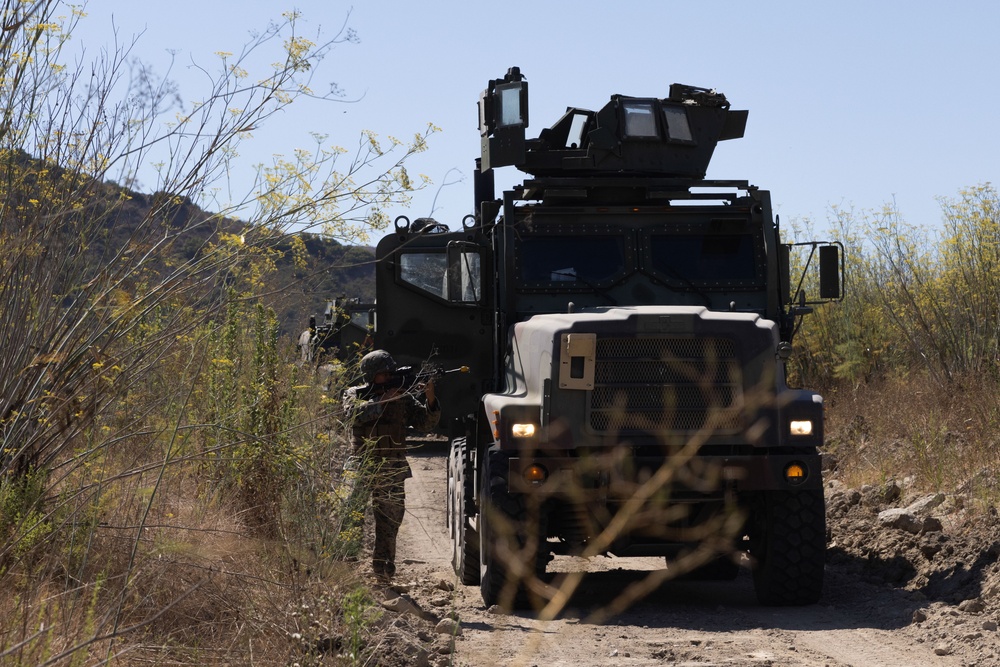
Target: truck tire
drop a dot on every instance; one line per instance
(450, 477)
(464, 540)
(788, 547)
(507, 561)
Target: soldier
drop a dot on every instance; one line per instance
(379, 412)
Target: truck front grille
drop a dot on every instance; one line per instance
(666, 385)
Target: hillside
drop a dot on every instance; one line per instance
(298, 287)
(331, 270)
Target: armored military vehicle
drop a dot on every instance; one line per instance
(627, 324)
(345, 334)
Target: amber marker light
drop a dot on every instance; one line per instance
(795, 473)
(535, 474)
(496, 424)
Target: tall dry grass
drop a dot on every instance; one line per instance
(166, 471)
(939, 437)
(909, 361)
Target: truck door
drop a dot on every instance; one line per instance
(434, 305)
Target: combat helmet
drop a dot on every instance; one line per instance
(375, 362)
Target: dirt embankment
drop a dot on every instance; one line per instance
(915, 585)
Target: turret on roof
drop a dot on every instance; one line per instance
(674, 136)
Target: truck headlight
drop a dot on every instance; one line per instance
(801, 427)
(522, 430)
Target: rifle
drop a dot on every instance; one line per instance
(406, 377)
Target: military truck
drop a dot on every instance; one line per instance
(627, 324)
(346, 331)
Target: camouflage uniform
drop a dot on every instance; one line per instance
(378, 434)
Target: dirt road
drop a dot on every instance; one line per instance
(857, 623)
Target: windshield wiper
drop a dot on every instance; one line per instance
(687, 282)
(577, 279)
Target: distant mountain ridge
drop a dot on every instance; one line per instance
(104, 222)
(294, 291)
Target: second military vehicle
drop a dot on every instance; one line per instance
(627, 325)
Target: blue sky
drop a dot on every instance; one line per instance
(851, 103)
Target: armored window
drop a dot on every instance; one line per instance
(359, 318)
(678, 128)
(429, 272)
(574, 139)
(640, 121)
(571, 260)
(511, 99)
(425, 270)
(706, 259)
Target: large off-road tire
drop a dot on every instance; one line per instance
(788, 547)
(450, 477)
(511, 565)
(464, 539)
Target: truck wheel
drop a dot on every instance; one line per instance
(450, 476)
(788, 547)
(464, 540)
(507, 562)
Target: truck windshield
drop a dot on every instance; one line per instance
(705, 259)
(569, 259)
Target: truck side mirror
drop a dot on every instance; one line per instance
(784, 273)
(464, 282)
(829, 272)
